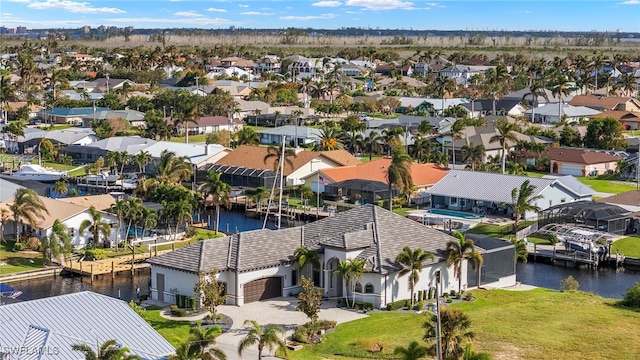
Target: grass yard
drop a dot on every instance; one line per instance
(629, 246)
(192, 139)
(175, 332)
(535, 174)
(535, 324)
(607, 185)
(14, 262)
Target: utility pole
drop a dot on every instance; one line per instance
(438, 327)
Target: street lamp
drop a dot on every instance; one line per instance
(435, 309)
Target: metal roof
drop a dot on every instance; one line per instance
(52, 325)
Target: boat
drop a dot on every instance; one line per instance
(128, 182)
(101, 178)
(39, 173)
(9, 292)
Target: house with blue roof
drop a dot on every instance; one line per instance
(69, 116)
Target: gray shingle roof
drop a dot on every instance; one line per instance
(59, 322)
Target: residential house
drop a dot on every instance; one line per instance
(582, 162)
(234, 61)
(47, 328)
(85, 154)
(506, 107)
(232, 72)
(429, 104)
(337, 182)
(250, 166)
(305, 68)
(211, 124)
(135, 118)
(606, 103)
(305, 135)
(267, 64)
(102, 202)
(198, 154)
(68, 116)
(105, 85)
(629, 200)
(464, 190)
(9, 185)
(629, 119)
(258, 265)
(13, 106)
(462, 74)
(69, 214)
(554, 113)
(353, 70)
(548, 97)
(395, 68)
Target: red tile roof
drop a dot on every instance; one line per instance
(580, 156)
(421, 174)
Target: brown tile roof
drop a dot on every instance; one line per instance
(580, 156)
(100, 202)
(421, 174)
(603, 102)
(57, 210)
(631, 198)
(619, 115)
(253, 157)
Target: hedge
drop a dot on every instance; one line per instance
(396, 305)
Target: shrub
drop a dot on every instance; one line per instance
(419, 305)
(363, 305)
(396, 305)
(175, 311)
(18, 246)
(569, 284)
(371, 345)
(632, 297)
(33, 244)
(306, 333)
(95, 254)
(453, 293)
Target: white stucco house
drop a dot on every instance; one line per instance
(258, 265)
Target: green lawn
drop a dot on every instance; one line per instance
(535, 174)
(192, 139)
(536, 324)
(629, 246)
(175, 332)
(504, 231)
(607, 185)
(19, 261)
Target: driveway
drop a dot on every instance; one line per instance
(279, 311)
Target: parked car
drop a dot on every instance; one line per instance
(35, 121)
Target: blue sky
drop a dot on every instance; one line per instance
(331, 14)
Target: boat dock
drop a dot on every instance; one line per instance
(106, 266)
(552, 255)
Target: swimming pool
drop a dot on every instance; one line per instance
(452, 213)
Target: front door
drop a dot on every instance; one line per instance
(160, 286)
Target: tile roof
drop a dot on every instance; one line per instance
(69, 136)
(580, 156)
(631, 198)
(421, 174)
(100, 202)
(551, 109)
(85, 317)
(603, 102)
(58, 210)
(620, 115)
(252, 157)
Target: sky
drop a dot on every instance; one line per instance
(562, 15)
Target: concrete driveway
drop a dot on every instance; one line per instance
(279, 311)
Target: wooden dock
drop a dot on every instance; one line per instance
(106, 266)
(554, 256)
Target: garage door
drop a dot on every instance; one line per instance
(575, 170)
(262, 289)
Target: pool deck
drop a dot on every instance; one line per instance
(467, 222)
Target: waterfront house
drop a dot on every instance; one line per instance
(464, 190)
(582, 162)
(68, 116)
(211, 124)
(258, 265)
(607, 103)
(49, 327)
(305, 135)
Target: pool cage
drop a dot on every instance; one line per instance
(599, 216)
(357, 191)
(498, 260)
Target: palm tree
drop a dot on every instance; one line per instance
(173, 169)
(412, 352)
(412, 261)
(421, 148)
(399, 174)
(148, 219)
(58, 244)
(142, 159)
(109, 350)
(247, 136)
(536, 89)
(372, 144)
(523, 200)
(473, 154)
(275, 153)
(330, 139)
(350, 269)
(122, 158)
(264, 336)
(95, 226)
(304, 256)
(559, 90)
(459, 251)
(469, 354)
(257, 195)
(61, 187)
(454, 331)
(505, 134)
(456, 133)
(629, 84)
(4, 218)
(28, 206)
(219, 191)
(521, 249)
(202, 340)
(120, 209)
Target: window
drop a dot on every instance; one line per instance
(453, 201)
(368, 288)
(294, 277)
(358, 287)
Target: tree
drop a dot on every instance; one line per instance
(109, 350)
(61, 187)
(264, 336)
(257, 195)
(523, 200)
(399, 174)
(247, 136)
(412, 261)
(304, 256)
(330, 139)
(536, 89)
(201, 341)
(559, 90)
(454, 331)
(605, 133)
(211, 291)
(27, 206)
(310, 299)
(456, 133)
(569, 284)
(4, 218)
(350, 269)
(95, 226)
(632, 296)
(469, 354)
(172, 169)
(372, 144)
(460, 250)
(274, 153)
(505, 134)
(521, 249)
(219, 191)
(58, 244)
(412, 352)
(473, 154)
(142, 159)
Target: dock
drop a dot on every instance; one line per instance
(549, 254)
(111, 266)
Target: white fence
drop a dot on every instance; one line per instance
(521, 234)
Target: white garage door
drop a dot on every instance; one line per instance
(575, 170)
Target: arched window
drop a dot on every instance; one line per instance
(368, 288)
(358, 287)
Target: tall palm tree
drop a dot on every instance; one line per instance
(399, 174)
(559, 90)
(372, 144)
(120, 209)
(61, 187)
(412, 352)
(506, 133)
(456, 133)
(96, 226)
(142, 159)
(148, 219)
(412, 261)
(421, 148)
(304, 256)
(523, 200)
(536, 89)
(58, 244)
(264, 336)
(27, 206)
(459, 251)
(454, 332)
(219, 191)
(109, 350)
(5, 215)
(473, 154)
(172, 169)
(274, 153)
(247, 136)
(521, 249)
(350, 270)
(330, 139)
(629, 84)
(202, 340)
(122, 158)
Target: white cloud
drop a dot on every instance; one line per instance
(187, 14)
(327, 3)
(216, 10)
(254, 13)
(380, 4)
(631, 2)
(73, 6)
(179, 21)
(309, 17)
(243, 5)
(19, 1)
